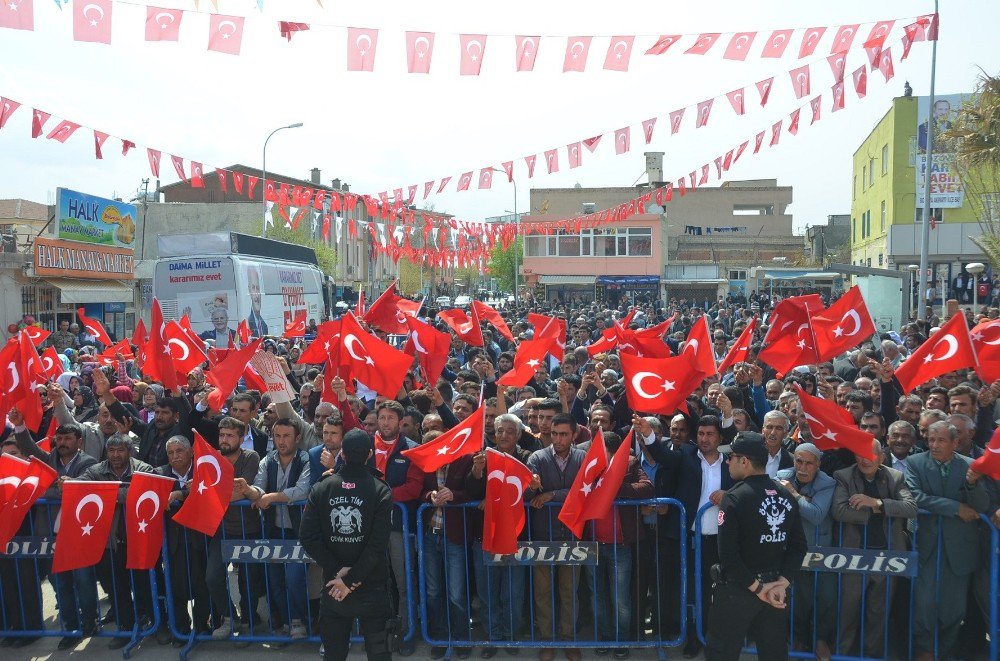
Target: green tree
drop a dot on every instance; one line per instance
(975, 133)
(326, 256)
(502, 263)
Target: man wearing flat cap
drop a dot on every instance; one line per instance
(761, 547)
(345, 528)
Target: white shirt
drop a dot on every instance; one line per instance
(247, 443)
(773, 463)
(711, 481)
(899, 464)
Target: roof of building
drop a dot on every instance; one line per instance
(20, 209)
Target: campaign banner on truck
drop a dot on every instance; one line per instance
(91, 219)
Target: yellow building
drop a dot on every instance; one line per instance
(886, 212)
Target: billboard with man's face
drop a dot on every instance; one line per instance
(946, 187)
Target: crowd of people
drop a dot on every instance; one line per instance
(112, 423)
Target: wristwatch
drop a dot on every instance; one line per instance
(878, 505)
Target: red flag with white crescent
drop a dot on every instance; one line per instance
(88, 510)
(947, 350)
(741, 348)
(503, 512)
(464, 438)
(211, 487)
(22, 486)
(145, 504)
(94, 327)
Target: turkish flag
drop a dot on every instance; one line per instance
(88, 509)
(185, 353)
(484, 311)
(844, 37)
(647, 129)
(791, 349)
(226, 374)
(833, 428)
(986, 342)
(764, 88)
(163, 24)
(877, 36)
(361, 44)
(739, 46)
(574, 507)
(619, 53)
(860, 77)
(419, 48)
(36, 335)
(211, 487)
(22, 487)
(225, 33)
(736, 99)
(25, 373)
(430, 346)
(699, 344)
(139, 335)
(844, 325)
(552, 160)
(947, 350)
(550, 327)
(576, 54)
(704, 110)
(12, 471)
(464, 181)
(647, 388)
(606, 342)
(623, 140)
(647, 342)
(486, 178)
(703, 43)
(38, 119)
(800, 81)
(178, 163)
(385, 314)
(197, 175)
(370, 360)
(503, 510)
(297, 326)
(287, 29)
(885, 64)
(527, 50)
(792, 311)
(464, 438)
(663, 44)
(471, 56)
(467, 328)
(63, 131)
(144, 522)
(17, 15)
(777, 43)
(243, 331)
(51, 365)
(92, 21)
(810, 39)
(598, 503)
(326, 342)
(154, 160)
(94, 327)
(529, 357)
(740, 350)
(988, 464)
(7, 108)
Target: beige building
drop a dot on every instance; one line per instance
(20, 221)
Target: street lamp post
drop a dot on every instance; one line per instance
(263, 176)
(925, 230)
(517, 225)
(975, 269)
(914, 293)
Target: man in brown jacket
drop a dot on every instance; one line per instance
(873, 503)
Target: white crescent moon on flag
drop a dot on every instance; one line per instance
(421, 40)
(741, 41)
(86, 8)
(512, 480)
(12, 480)
(778, 40)
(416, 343)
(624, 47)
(497, 475)
(856, 318)
(637, 384)
(223, 24)
(15, 378)
(363, 37)
(152, 497)
(86, 500)
(479, 48)
(33, 481)
(211, 460)
(164, 15)
(573, 51)
(691, 344)
(47, 363)
(175, 342)
(590, 464)
(349, 341)
(952, 343)
(993, 342)
(465, 434)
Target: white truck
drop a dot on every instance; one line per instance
(222, 278)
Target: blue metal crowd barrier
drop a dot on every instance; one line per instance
(861, 609)
(563, 609)
(133, 596)
(272, 568)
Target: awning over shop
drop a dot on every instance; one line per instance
(801, 275)
(628, 280)
(79, 292)
(566, 279)
(695, 282)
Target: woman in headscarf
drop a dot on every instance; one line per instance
(153, 393)
(69, 382)
(85, 404)
(195, 383)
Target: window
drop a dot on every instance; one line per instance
(871, 171)
(880, 258)
(737, 274)
(882, 218)
(885, 160)
(640, 242)
(534, 246)
(569, 245)
(869, 262)
(604, 243)
(864, 177)
(632, 242)
(854, 229)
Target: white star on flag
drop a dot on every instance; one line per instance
(444, 449)
(87, 528)
(142, 525)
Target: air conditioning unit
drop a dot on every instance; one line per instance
(350, 269)
(589, 207)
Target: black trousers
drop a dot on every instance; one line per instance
(737, 612)
(371, 609)
(128, 590)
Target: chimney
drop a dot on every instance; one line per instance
(335, 184)
(345, 187)
(654, 166)
(314, 176)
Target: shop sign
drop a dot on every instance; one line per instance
(69, 259)
(97, 220)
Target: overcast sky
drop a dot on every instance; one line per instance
(388, 129)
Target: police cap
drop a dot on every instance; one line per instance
(356, 447)
(749, 444)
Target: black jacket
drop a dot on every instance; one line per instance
(687, 465)
(359, 504)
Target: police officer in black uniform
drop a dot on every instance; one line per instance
(761, 547)
(345, 528)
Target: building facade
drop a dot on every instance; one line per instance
(886, 196)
